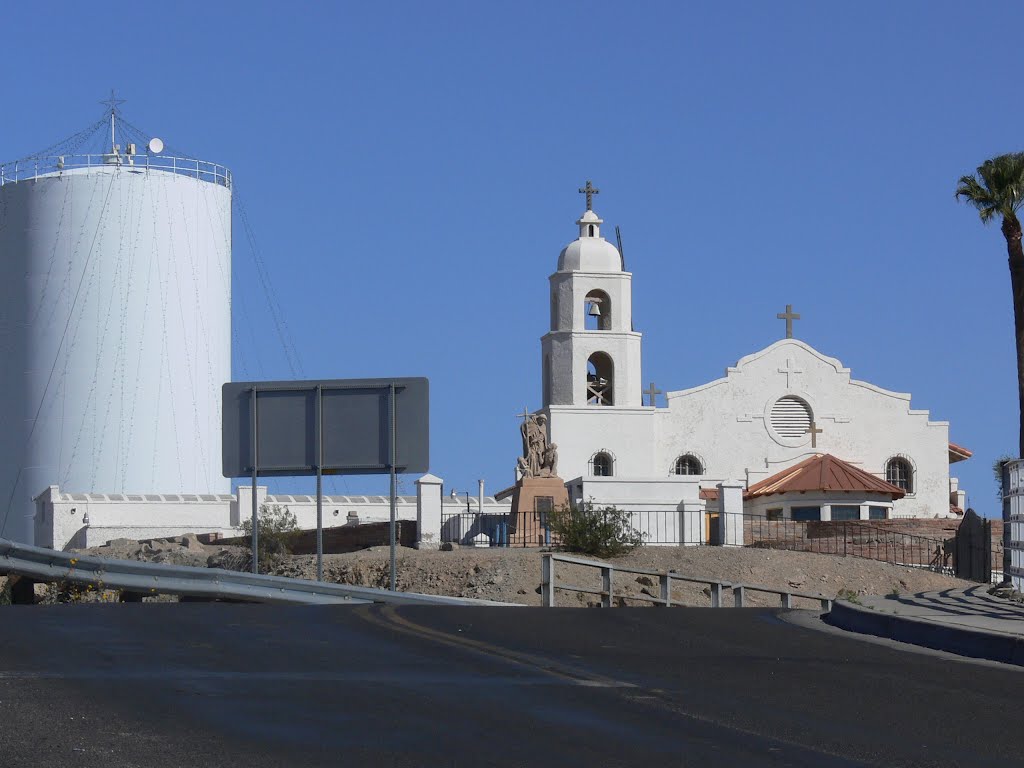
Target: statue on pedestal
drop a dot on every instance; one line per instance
(540, 458)
(538, 491)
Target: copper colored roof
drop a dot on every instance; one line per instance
(958, 453)
(822, 473)
(709, 494)
(955, 510)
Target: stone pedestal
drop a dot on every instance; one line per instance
(533, 499)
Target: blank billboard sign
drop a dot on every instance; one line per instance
(349, 418)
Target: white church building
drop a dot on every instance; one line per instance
(863, 452)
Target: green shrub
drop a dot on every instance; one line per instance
(850, 595)
(605, 532)
(277, 527)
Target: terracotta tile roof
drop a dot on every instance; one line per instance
(958, 453)
(955, 510)
(822, 473)
(709, 494)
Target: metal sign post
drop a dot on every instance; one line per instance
(255, 464)
(394, 486)
(343, 426)
(319, 483)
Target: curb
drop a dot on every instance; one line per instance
(976, 643)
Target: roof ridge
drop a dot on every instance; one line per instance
(823, 472)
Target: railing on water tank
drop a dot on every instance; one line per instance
(33, 168)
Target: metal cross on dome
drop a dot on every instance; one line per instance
(590, 190)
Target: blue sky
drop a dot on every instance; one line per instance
(411, 169)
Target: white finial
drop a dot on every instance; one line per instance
(590, 224)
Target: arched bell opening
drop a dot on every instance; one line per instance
(597, 311)
(600, 379)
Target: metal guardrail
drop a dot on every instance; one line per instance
(25, 170)
(48, 565)
(786, 596)
(717, 587)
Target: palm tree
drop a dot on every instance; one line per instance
(998, 190)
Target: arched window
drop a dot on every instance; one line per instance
(590, 230)
(900, 473)
(688, 464)
(597, 311)
(600, 379)
(554, 311)
(602, 464)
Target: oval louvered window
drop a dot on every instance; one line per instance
(791, 417)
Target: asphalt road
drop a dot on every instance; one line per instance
(247, 685)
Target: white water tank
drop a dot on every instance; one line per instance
(115, 320)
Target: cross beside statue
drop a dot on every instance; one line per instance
(652, 394)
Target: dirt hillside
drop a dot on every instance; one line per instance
(513, 575)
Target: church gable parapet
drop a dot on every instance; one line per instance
(755, 356)
(669, 396)
(885, 392)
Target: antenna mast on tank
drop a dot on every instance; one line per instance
(113, 103)
(618, 239)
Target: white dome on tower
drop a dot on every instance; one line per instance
(590, 252)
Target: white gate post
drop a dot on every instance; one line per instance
(428, 512)
(730, 514)
(693, 523)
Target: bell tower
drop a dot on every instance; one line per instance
(591, 354)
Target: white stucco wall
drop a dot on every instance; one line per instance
(625, 433)
(569, 345)
(74, 520)
(786, 501)
(637, 494)
(726, 425)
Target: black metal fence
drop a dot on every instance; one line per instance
(849, 538)
(533, 529)
(843, 538)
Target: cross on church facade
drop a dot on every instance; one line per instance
(652, 393)
(590, 190)
(789, 316)
(789, 370)
(814, 431)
